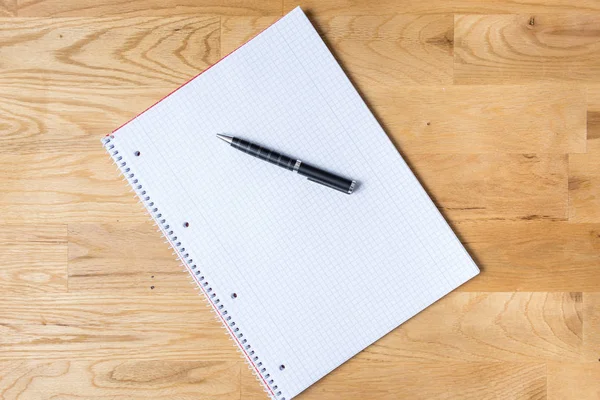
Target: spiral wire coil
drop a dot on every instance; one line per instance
(169, 233)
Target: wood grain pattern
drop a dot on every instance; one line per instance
(573, 381)
(8, 8)
(235, 31)
(33, 259)
(68, 186)
(38, 120)
(474, 327)
(533, 255)
(563, 257)
(591, 328)
(422, 380)
(391, 50)
(119, 379)
(584, 181)
(119, 326)
(584, 169)
(79, 8)
(482, 186)
(482, 119)
(453, 119)
(65, 188)
(115, 257)
(362, 7)
(500, 49)
(488, 327)
(498, 114)
(107, 52)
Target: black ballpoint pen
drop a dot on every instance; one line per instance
(312, 173)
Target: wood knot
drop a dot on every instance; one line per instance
(577, 297)
(532, 21)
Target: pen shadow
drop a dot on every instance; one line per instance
(334, 52)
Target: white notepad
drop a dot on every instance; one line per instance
(303, 276)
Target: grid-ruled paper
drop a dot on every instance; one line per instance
(318, 275)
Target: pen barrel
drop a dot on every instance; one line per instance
(327, 178)
(264, 154)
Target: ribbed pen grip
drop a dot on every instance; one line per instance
(264, 153)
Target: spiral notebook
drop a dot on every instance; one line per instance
(302, 276)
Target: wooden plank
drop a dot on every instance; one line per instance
(91, 8)
(65, 188)
(591, 328)
(8, 8)
(33, 259)
(86, 188)
(235, 31)
(107, 52)
(488, 327)
(513, 255)
(119, 326)
(579, 381)
(38, 120)
(584, 187)
(495, 186)
(500, 49)
(474, 327)
(453, 119)
(584, 169)
(383, 7)
(450, 119)
(482, 119)
(532, 255)
(119, 379)
(392, 50)
(120, 257)
(364, 379)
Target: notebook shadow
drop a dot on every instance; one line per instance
(453, 225)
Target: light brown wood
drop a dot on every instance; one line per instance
(591, 330)
(417, 380)
(113, 379)
(135, 51)
(390, 50)
(8, 8)
(574, 381)
(563, 257)
(99, 263)
(500, 49)
(65, 188)
(483, 119)
(79, 8)
(489, 327)
(474, 327)
(32, 126)
(533, 256)
(361, 7)
(89, 326)
(494, 104)
(33, 259)
(483, 186)
(56, 180)
(584, 169)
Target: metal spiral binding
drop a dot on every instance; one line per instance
(168, 232)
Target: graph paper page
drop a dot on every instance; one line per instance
(308, 275)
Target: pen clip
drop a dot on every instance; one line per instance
(326, 184)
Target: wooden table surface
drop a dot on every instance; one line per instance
(494, 103)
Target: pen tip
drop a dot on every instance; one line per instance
(225, 138)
